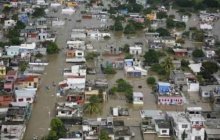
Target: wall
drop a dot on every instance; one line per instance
(193, 87)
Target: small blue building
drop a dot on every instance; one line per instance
(163, 87)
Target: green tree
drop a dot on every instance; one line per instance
(38, 12)
(170, 23)
(168, 65)
(20, 25)
(151, 80)
(183, 135)
(118, 25)
(210, 67)
(14, 41)
(161, 15)
(104, 135)
(129, 29)
(151, 57)
(184, 63)
(51, 47)
(198, 53)
(198, 35)
(23, 66)
(109, 70)
(57, 126)
(93, 106)
(126, 48)
(163, 32)
(52, 135)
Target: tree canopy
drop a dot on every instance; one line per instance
(57, 131)
(163, 32)
(129, 29)
(210, 67)
(38, 12)
(51, 47)
(198, 53)
(151, 57)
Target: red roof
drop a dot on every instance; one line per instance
(26, 79)
(12, 72)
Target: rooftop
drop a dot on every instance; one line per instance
(162, 123)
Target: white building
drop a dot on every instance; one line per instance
(76, 44)
(25, 96)
(9, 23)
(138, 98)
(190, 122)
(12, 50)
(76, 70)
(192, 83)
(135, 50)
(68, 11)
(206, 26)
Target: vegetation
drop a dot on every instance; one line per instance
(107, 37)
(38, 12)
(104, 135)
(198, 35)
(198, 53)
(159, 69)
(129, 29)
(161, 15)
(184, 63)
(210, 67)
(151, 81)
(125, 87)
(170, 23)
(23, 65)
(57, 129)
(93, 107)
(126, 48)
(163, 32)
(108, 70)
(91, 55)
(167, 64)
(118, 25)
(52, 47)
(151, 57)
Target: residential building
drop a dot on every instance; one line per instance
(27, 82)
(178, 77)
(133, 68)
(190, 122)
(2, 69)
(167, 94)
(75, 56)
(5, 99)
(25, 96)
(138, 98)
(12, 50)
(76, 70)
(68, 110)
(162, 127)
(9, 23)
(191, 82)
(180, 52)
(135, 50)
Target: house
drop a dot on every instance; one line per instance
(112, 49)
(168, 95)
(209, 53)
(190, 122)
(5, 99)
(78, 35)
(71, 4)
(155, 122)
(76, 44)
(75, 97)
(180, 52)
(27, 82)
(27, 47)
(138, 98)
(9, 23)
(2, 69)
(176, 64)
(12, 50)
(75, 83)
(68, 110)
(205, 26)
(68, 11)
(115, 128)
(151, 16)
(212, 124)
(209, 92)
(170, 41)
(14, 3)
(97, 34)
(90, 92)
(191, 83)
(196, 68)
(75, 56)
(178, 77)
(13, 125)
(142, 2)
(25, 96)
(185, 18)
(11, 75)
(76, 70)
(135, 50)
(210, 41)
(133, 68)
(162, 127)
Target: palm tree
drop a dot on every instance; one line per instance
(93, 106)
(167, 65)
